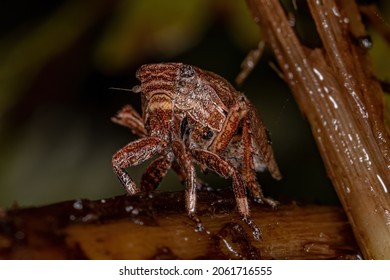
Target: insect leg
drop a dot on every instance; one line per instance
(248, 169)
(250, 62)
(130, 118)
(200, 184)
(155, 172)
(262, 143)
(132, 154)
(223, 168)
(230, 126)
(185, 163)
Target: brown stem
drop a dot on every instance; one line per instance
(155, 226)
(335, 88)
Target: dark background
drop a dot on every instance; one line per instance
(58, 60)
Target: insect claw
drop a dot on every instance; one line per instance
(258, 200)
(199, 227)
(255, 229)
(273, 203)
(263, 200)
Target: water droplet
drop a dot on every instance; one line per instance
(326, 89)
(135, 211)
(360, 105)
(230, 247)
(335, 123)
(364, 157)
(89, 218)
(382, 183)
(324, 236)
(199, 227)
(103, 201)
(387, 217)
(250, 63)
(78, 205)
(138, 222)
(129, 208)
(365, 42)
(333, 101)
(336, 11)
(318, 73)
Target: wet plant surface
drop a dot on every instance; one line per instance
(155, 226)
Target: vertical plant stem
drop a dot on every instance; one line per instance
(335, 89)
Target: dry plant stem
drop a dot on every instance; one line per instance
(335, 89)
(155, 226)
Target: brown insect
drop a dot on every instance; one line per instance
(191, 116)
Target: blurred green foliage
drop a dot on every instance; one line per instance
(129, 31)
(58, 60)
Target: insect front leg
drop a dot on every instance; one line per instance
(226, 170)
(184, 161)
(156, 171)
(132, 154)
(152, 177)
(199, 183)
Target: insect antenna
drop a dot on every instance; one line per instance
(135, 89)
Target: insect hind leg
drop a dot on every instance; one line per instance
(155, 172)
(226, 170)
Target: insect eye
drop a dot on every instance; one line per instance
(208, 135)
(186, 71)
